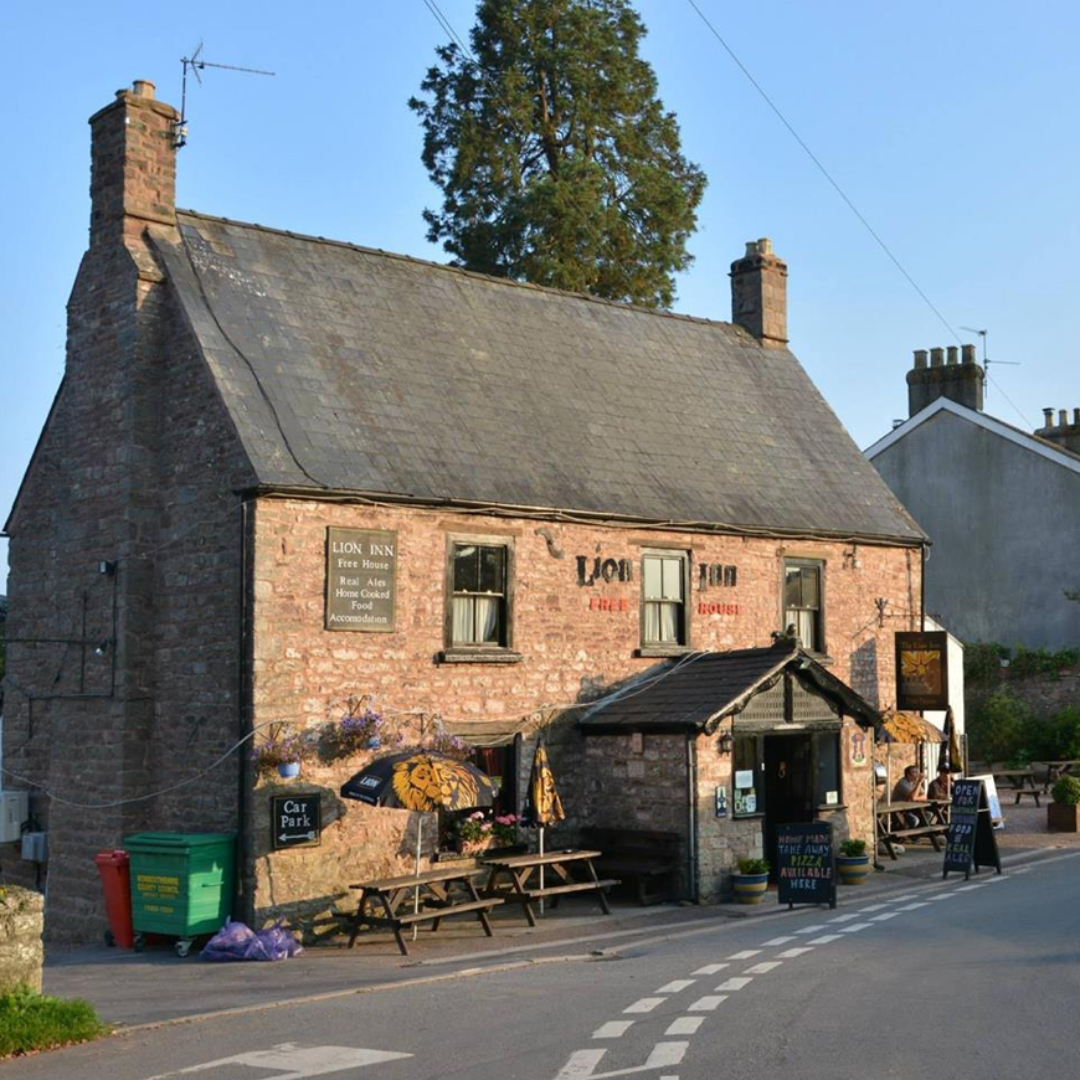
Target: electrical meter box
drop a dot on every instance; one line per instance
(14, 812)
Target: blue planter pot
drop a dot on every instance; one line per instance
(289, 769)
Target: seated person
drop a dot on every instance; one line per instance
(907, 790)
(941, 788)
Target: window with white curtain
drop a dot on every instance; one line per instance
(803, 607)
(663, 598)
(478, 606)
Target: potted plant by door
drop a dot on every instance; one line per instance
(751, 881)
(1063, 814)
(853, 864)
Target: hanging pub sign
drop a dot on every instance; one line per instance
(805, 871)
(295, 821)
(922, 670)
(361, 579)
(970, 840)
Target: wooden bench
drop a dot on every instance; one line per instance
(1034, 792)
(647, 858)
(524, 872)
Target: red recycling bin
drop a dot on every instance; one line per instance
(116, 880)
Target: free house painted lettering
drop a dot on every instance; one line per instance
(361, 577)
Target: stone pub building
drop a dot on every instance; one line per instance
(282, 471)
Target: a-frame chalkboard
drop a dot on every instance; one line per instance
(806, 869)
(971, 841)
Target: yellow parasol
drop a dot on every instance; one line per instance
(542, 805)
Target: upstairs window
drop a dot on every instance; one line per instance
(663, 592)
(803, 607)
(478, 616)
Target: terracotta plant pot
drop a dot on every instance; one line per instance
(750, 888)
(1063, 817)
(853, 869)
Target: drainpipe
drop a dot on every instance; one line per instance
(691, 818)
(922, 587)
(243, 898)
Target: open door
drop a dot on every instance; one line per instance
(789, 785)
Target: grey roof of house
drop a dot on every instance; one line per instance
(349, 369)
(696, 692)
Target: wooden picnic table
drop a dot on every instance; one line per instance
(1055, 770)
(932, 814)
(415, 898)
(521, 870)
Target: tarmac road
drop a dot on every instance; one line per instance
(967, 980)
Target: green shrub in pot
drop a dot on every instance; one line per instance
(1066, 790)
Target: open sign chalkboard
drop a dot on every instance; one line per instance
(971, 840)
(805, 868)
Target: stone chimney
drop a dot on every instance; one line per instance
(759, 293)
(957, 378)
(1066, 432)
(133, 167)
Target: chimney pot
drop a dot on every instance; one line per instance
(952, 354)
(968, 354)
(920, 358)
(937, 357)
(1048, 418)
(143, 88)
(1063, 417)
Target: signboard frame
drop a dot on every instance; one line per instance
(348, 578)
(928, 658)
(970, 841)
(312, 801)
(824, 889)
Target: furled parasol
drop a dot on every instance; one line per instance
(543, 806)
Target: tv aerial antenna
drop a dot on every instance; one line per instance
(196, 64)
(986, 359)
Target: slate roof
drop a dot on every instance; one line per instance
(354, 370)
(696, 693)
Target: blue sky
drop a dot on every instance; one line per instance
(951, 125)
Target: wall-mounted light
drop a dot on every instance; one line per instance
(726, 743)
(106, 567)
(102, 649)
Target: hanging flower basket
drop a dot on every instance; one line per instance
(288, 769)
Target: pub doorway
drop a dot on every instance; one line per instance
(789, 786)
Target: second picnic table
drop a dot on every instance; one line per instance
(932, 815)
(522, 874)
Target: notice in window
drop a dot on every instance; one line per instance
(361, 577)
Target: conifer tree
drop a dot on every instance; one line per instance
(557, 161)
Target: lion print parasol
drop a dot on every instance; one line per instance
(423, 780)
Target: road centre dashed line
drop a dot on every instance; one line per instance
(971, 888)
(764, 968)
(790, 954)
(613, 1029)
(710, 969)
(872, 907)
(675, 986)
(825, 939)
(854, 928)
(736, 983)
(913, 907)
(707, 1003)
(778, 941)
(883, 917)
(811, 929)
(644, 1005)
(902, 899)
(745, 954)
(843, 918)
(685, 1025)
(581, 1064)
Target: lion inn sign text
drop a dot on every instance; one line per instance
(361, 573)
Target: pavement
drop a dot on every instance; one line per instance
(153, 987)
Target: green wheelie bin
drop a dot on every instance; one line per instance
(181, 884)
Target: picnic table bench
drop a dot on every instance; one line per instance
(932, 815)
(521, 870)
(417, 898)
(647, 858)
(1055, 770)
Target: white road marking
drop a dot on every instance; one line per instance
(810, 929)
(675, 986)
(882, 918)
(778, 941)
(913, 907)
(902, 899)
(744, 955)
(941, 896)
(667, 1053)
(685, 1025)
(872, 907)
(708, 1003)
(996, 878)
(644, 1005)
(843, 918)
(826, 938)
(295, 1062)
(765, 968)
(854, 928)
(710, 969)
(612, 1029)
(969, 888)
(581, 1064)
(737, 983)
(790, 954)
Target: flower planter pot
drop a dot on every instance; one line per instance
(287, 770)
(474, 847)
(750, 888)
(853, 869)
(1063, 817)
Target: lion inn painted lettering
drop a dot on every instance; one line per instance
(361, 576)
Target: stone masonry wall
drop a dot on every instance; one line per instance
(575, 641)
(21, 951)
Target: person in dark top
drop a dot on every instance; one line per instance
(941, 788)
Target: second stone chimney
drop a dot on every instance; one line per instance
(759, 293)
(1066, 432)
(959, 379)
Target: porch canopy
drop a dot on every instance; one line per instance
(767, 686)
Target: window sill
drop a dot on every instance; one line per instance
(663, 650)
(478, 656)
